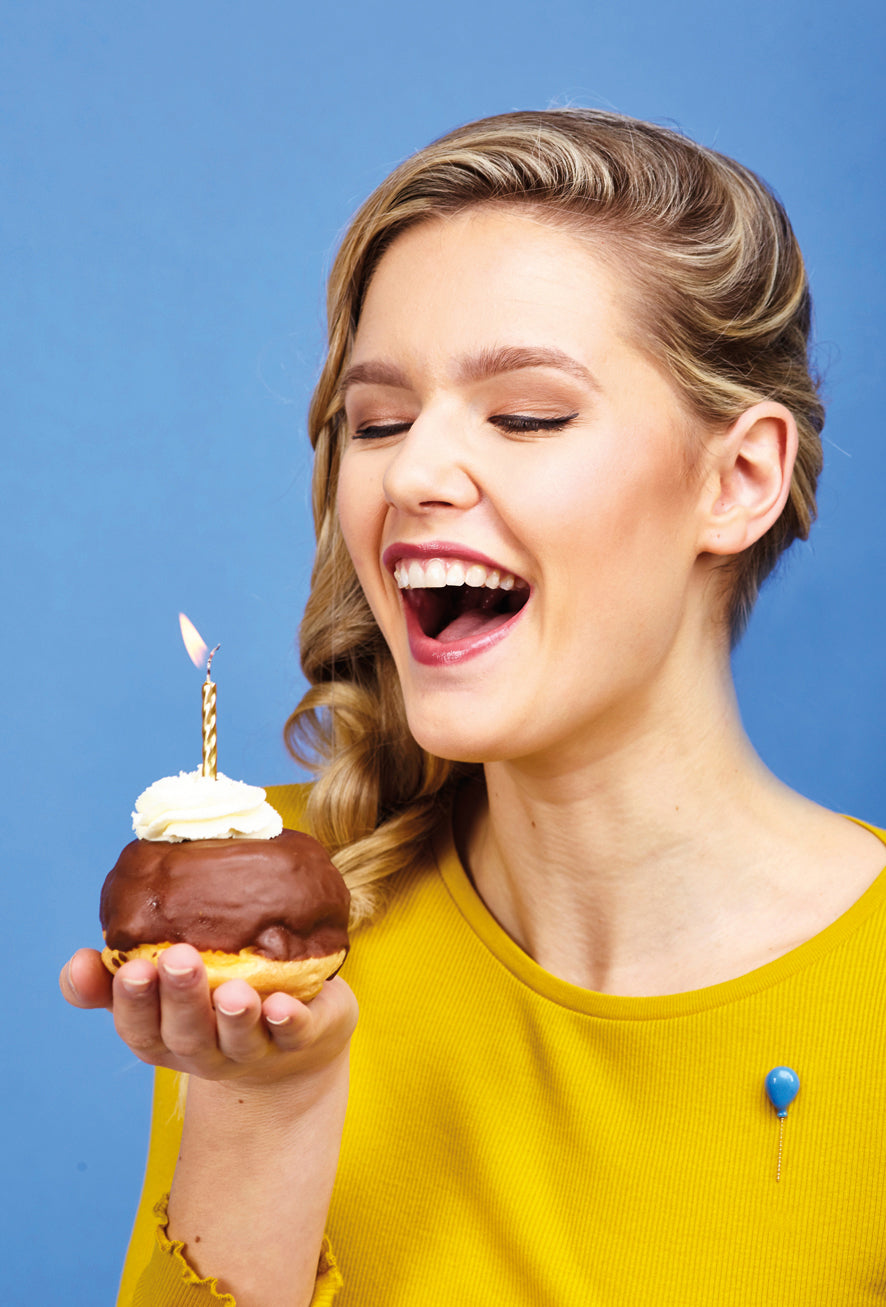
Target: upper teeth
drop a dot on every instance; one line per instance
(434, 573)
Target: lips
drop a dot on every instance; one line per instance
(457, 603)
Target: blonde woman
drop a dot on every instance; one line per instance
(565, 429)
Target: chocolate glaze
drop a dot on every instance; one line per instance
(282, 897)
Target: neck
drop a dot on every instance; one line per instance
(664, 858)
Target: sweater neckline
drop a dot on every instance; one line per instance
(654, 1007)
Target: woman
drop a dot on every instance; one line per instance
(565, 429)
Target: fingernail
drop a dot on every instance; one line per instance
(70, 979)
(134, 985)
(230, 1011)
(180, 973)
(280, 1021)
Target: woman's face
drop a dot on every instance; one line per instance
(515, 492)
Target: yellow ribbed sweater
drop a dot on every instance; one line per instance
(514, 1140)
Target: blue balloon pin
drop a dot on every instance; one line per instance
(782, 1086)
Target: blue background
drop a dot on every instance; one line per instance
(175, 178)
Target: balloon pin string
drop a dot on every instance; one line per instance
(781, 1125)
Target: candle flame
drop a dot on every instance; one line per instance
(194, 643)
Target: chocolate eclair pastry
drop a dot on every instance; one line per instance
(271, 912)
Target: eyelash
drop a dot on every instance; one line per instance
(380, 432)
(517, 424)
(513, 423)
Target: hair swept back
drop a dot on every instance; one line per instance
(722, 302)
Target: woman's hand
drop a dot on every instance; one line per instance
(167, 1017)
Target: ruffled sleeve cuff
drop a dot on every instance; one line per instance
(168, 1279)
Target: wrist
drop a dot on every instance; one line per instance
(274, 1096)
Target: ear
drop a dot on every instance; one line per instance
(750, 478)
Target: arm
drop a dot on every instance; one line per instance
(264, 1113)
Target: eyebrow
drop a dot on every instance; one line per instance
(481, 366)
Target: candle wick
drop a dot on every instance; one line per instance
(210, 658)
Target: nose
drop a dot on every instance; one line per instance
(430, 468)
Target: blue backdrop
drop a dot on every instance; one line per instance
(176, 176)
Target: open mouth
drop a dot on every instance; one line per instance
(454, 599)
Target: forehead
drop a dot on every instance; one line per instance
(491, 274)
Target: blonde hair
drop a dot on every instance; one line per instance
(720, 300)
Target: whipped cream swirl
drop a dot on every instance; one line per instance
(191, 806)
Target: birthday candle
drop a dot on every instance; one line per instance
(199, 655)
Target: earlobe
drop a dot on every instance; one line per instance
(751, 478)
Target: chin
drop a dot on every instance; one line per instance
(450, 745)
(460, 739)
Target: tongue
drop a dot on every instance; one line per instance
(472, 622)
(460, 613)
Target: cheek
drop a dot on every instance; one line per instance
(614, 526)
(359, 514)
(564, 506)
(361, 510)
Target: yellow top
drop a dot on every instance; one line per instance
(513, 1139)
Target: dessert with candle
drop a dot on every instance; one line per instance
(212, 866)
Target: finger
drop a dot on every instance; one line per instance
(85, 980)
(333, 1011)
(187, 1021)
(137, 1009)
(324, 1024)
(288, 1021)
(242, 1036)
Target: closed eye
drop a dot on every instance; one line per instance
(513, 423)
(379, 431)
(523, 424)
